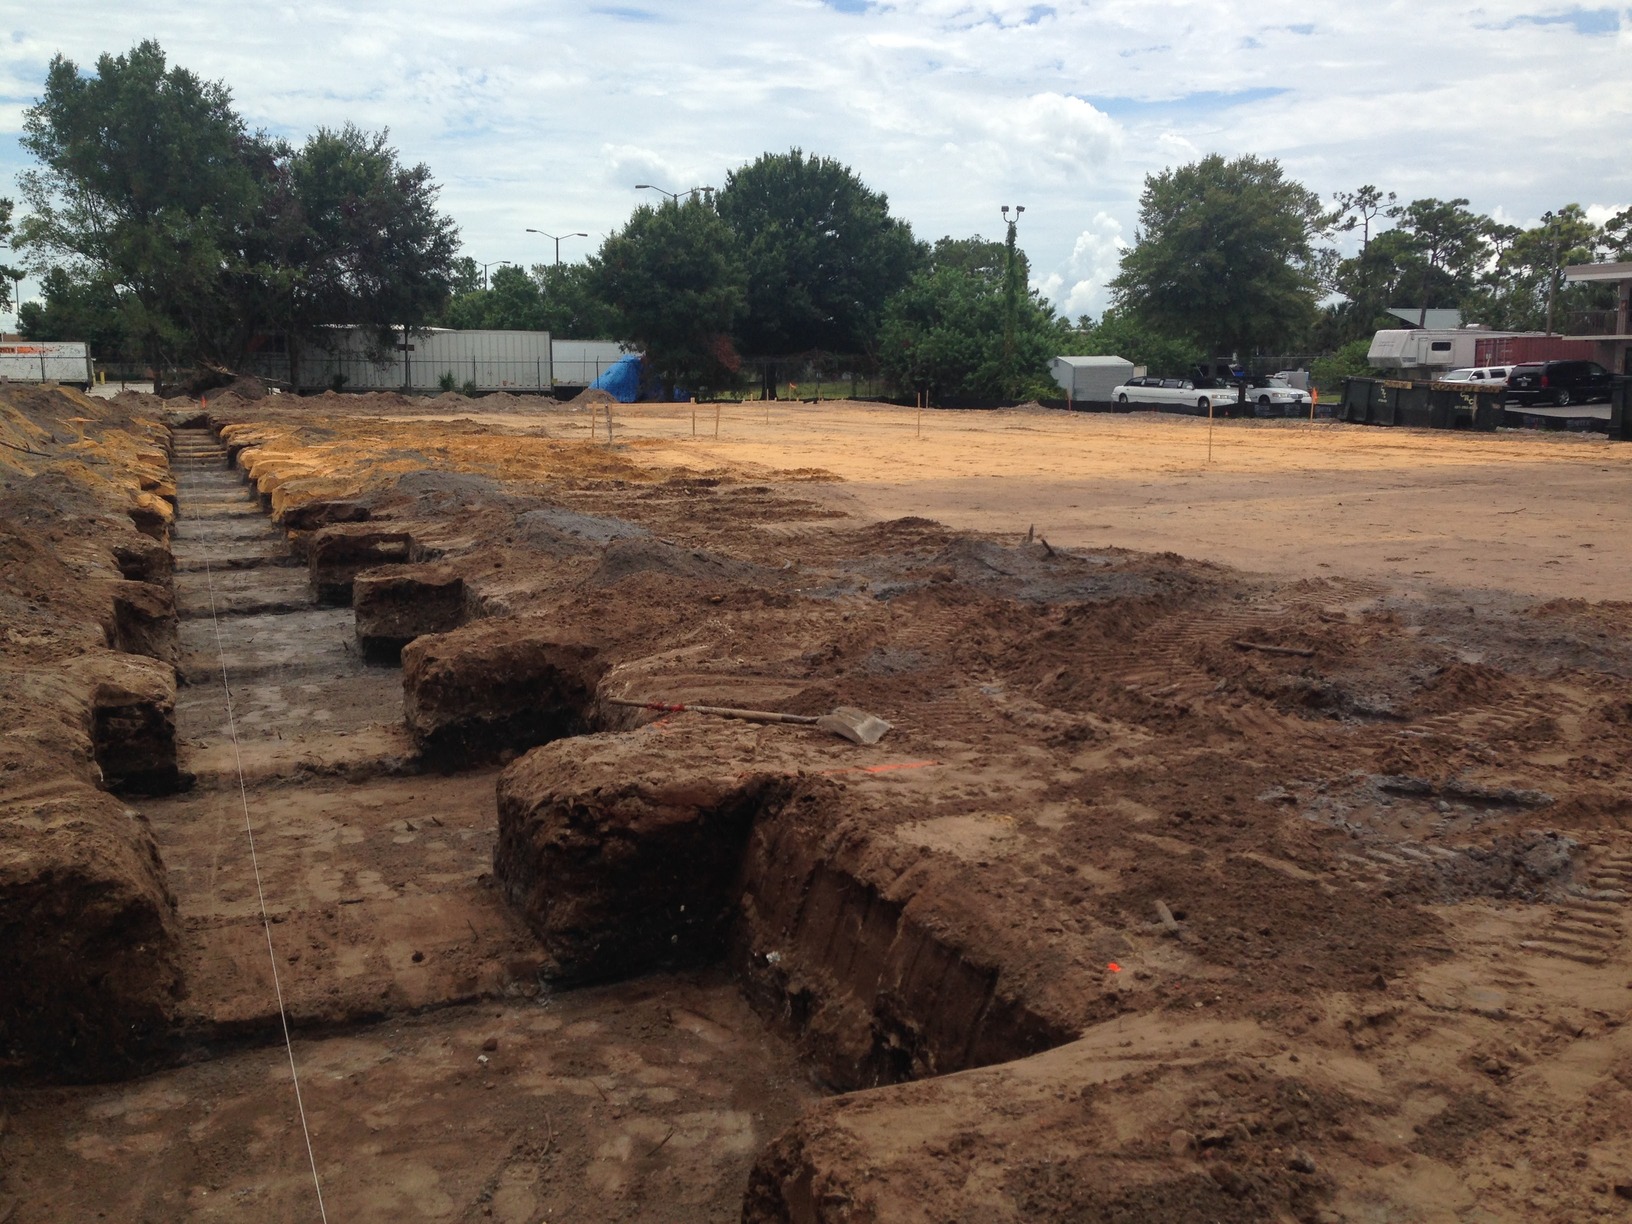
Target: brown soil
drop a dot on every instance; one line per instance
(1177, 892)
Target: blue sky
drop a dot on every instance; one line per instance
(545, 115)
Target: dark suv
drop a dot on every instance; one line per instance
(1557, 382)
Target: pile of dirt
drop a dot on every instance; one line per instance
(591, 395)
(88, 931)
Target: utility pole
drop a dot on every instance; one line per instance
(1011, 302)
(557, 240)
(1551, 222)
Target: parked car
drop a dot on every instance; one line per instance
(1271, 392)
(1490, 376)
(1173, 391)
(1557, 382)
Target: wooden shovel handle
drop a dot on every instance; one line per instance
(763, 716)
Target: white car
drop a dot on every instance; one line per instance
(1172, 391)
(1274, 393)
(1490, 376)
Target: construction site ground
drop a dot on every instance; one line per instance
(1251, 842)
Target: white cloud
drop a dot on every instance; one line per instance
(547, 115)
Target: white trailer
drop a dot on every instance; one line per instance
(1428, 350)
(578, 363)
(361, 359)
(42, 361)
(1090, 378)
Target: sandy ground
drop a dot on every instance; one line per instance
(1393, 846)
(1521, 511)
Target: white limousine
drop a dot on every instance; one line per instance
(1172, 391)
(1204, 394)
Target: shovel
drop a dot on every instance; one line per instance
(857, 726)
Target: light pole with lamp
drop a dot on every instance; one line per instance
(491, 264)
(557, 240)
(674, 196)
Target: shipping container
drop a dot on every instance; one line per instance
(1511, 350)
(37, 361)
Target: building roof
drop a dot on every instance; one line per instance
(1438, 318)
(1598, 272)
(1082, 362)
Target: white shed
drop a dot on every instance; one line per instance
(1090, 378)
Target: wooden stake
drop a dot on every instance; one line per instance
(920, 414)
(694, 418)
(1209, 429)
(716, 422)
(609, 424)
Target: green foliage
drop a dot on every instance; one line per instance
(572, 308)
(1442, 243)
(945, 331)
(672, 276)
(148, 180)
(1618, 235)
(557, 298)
(1349, 361)
(1524, 290)
(70, 309)
(1224, 255)
(6, 271)
(979, 257)
(448, 381)
(361, 239)
(1121, 334)
(820, 253)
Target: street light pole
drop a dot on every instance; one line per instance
(557, 240)
(1010, 302)
(675, 195)
(491, 264)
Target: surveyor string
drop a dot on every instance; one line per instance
(266, 921)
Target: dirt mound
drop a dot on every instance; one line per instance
(591, 395)
(627, 557)
(559, 531)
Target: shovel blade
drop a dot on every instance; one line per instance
(857, 726)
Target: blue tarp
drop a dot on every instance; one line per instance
(621, 380)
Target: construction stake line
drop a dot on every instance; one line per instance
(266, 921)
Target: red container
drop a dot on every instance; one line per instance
(1511, 350)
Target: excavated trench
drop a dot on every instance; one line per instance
(427, 907)
(623, 853)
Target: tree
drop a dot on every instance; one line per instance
(572, 308)
(365, 243)
(1618, 234)
(149, 183)
(512, 302)
(1120, 334)
(673, 278)
(148, 177)
(7, 273)
(1357, 209)
(945, 331)
(1522, 288)
(1445, 241)
(1224, 255)
(821, 254)
(69, 309)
